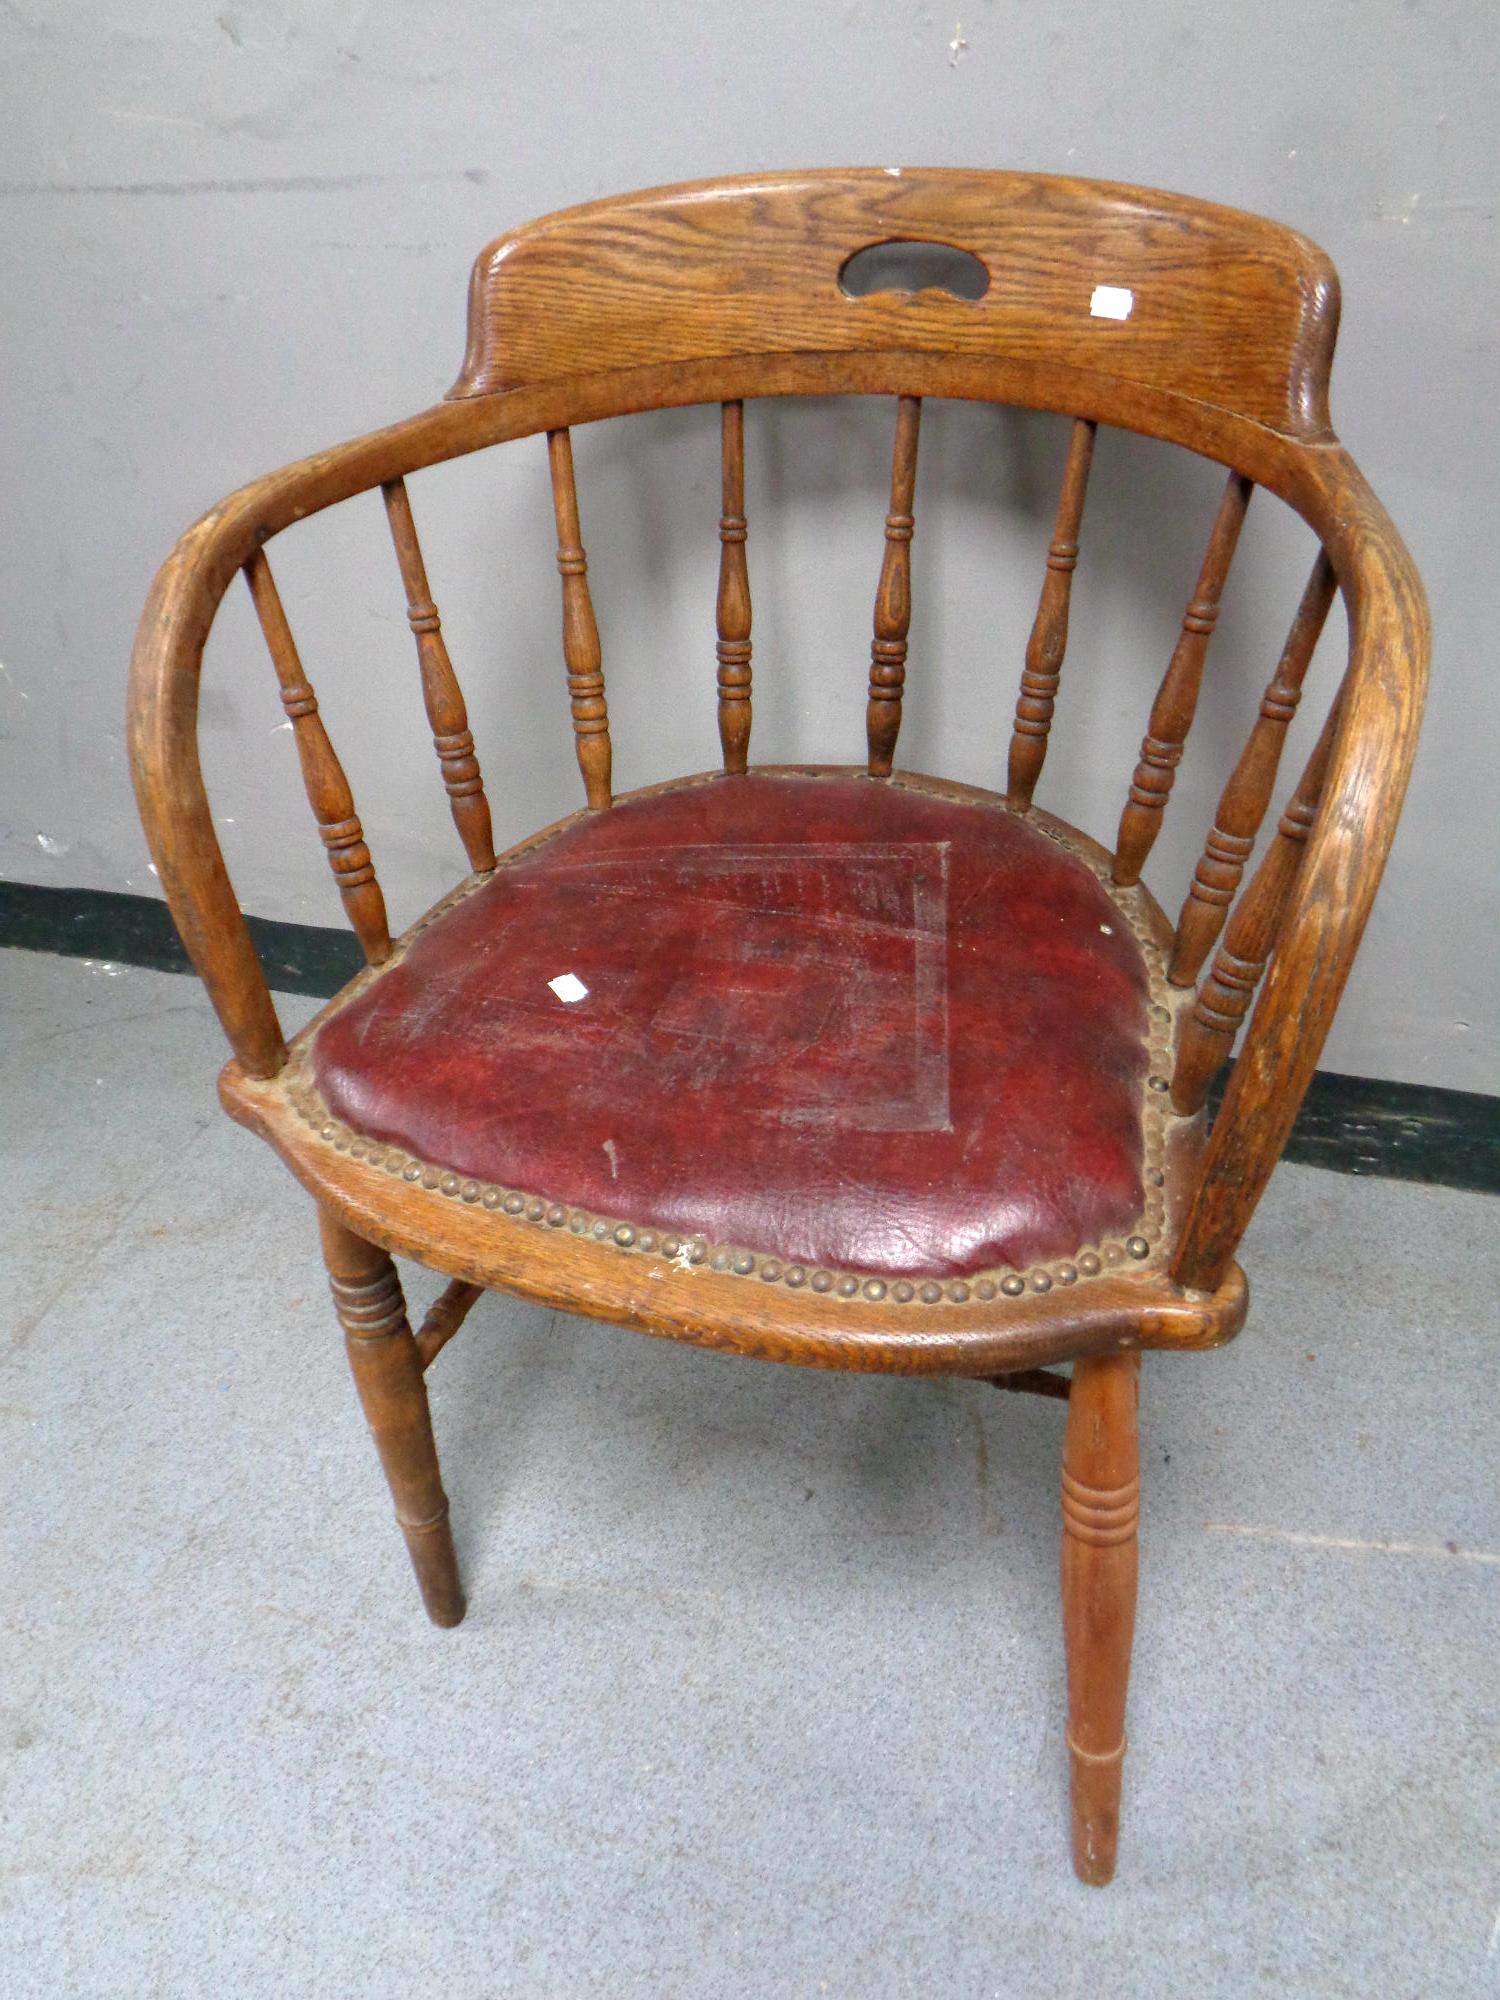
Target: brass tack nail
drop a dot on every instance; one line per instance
(931, 1293)
(357, 1149)
(430, 1177)
(470, 1190)
(959, 1293)
(848, 1287)
(394, 1162)
(744, 1264)
(902, 1291)
(557, 1215)
(624, 1236)
(328, 1131)
(670, 1245)
(985, 1289)
(535, 1209)
(822, 1281)
(875, 1288)
(578, 1221)
(601, 1229)
(770, 1270)
(1013, 1286)
(412, 1171)
(493, 1197)
(647, 1241)
(720, 1260)
(795, 1275)
(1088, 1263)
(1138, 1246)
(1040, 1282)
(1156, 1177)
(697, 1250)
(341, 1141)
(514, 1203)
(1066, 1274)
(1159, 1083)
(450, 1184)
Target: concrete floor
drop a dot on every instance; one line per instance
(760, 1692)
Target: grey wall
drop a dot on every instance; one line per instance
(233, 234)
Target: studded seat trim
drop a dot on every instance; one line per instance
(1137, 1249)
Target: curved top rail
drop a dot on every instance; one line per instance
(1157, 291)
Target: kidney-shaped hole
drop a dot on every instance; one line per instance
(913, 267)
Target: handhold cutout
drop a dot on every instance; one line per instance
(913, 267)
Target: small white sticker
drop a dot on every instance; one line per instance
(569, 987)
(1111, 302)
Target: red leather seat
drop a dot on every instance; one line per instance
(848, 1022)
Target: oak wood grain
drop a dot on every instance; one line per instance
(1226, 308)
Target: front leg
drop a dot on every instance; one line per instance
(388, 1375)
(1100, 1506)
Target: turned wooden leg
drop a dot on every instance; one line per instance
(1100, 1505)
(388, 1376)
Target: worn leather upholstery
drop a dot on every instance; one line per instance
(838, 1020)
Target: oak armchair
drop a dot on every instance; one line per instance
(912, 1076)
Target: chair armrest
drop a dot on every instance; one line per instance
(1380, 711)
(162, 732)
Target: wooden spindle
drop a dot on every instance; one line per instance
(1216, 879)
(734, 596)
(449, 720)
(893, 598)
(323, 777)
(581, 653)
(1049, 634)
(1225, 996)
(1177, 698)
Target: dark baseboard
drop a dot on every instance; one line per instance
(1351, 1124)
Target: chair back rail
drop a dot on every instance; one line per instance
(1216, 879)
(732, 611)
(323, 777)
(1049, 633)
(449, 720)
(893, 596)
(581, 654)
(1177, 698)
(1085, 277)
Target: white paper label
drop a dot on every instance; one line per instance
(1111, 302)
(569, 987)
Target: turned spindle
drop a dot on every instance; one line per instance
(733, 609)
(581, 653)
(323, 777)
(449, 720)
(1225, 996)
(1216, 879)
(1177, 697)
(893, 598)
(1049, 634)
